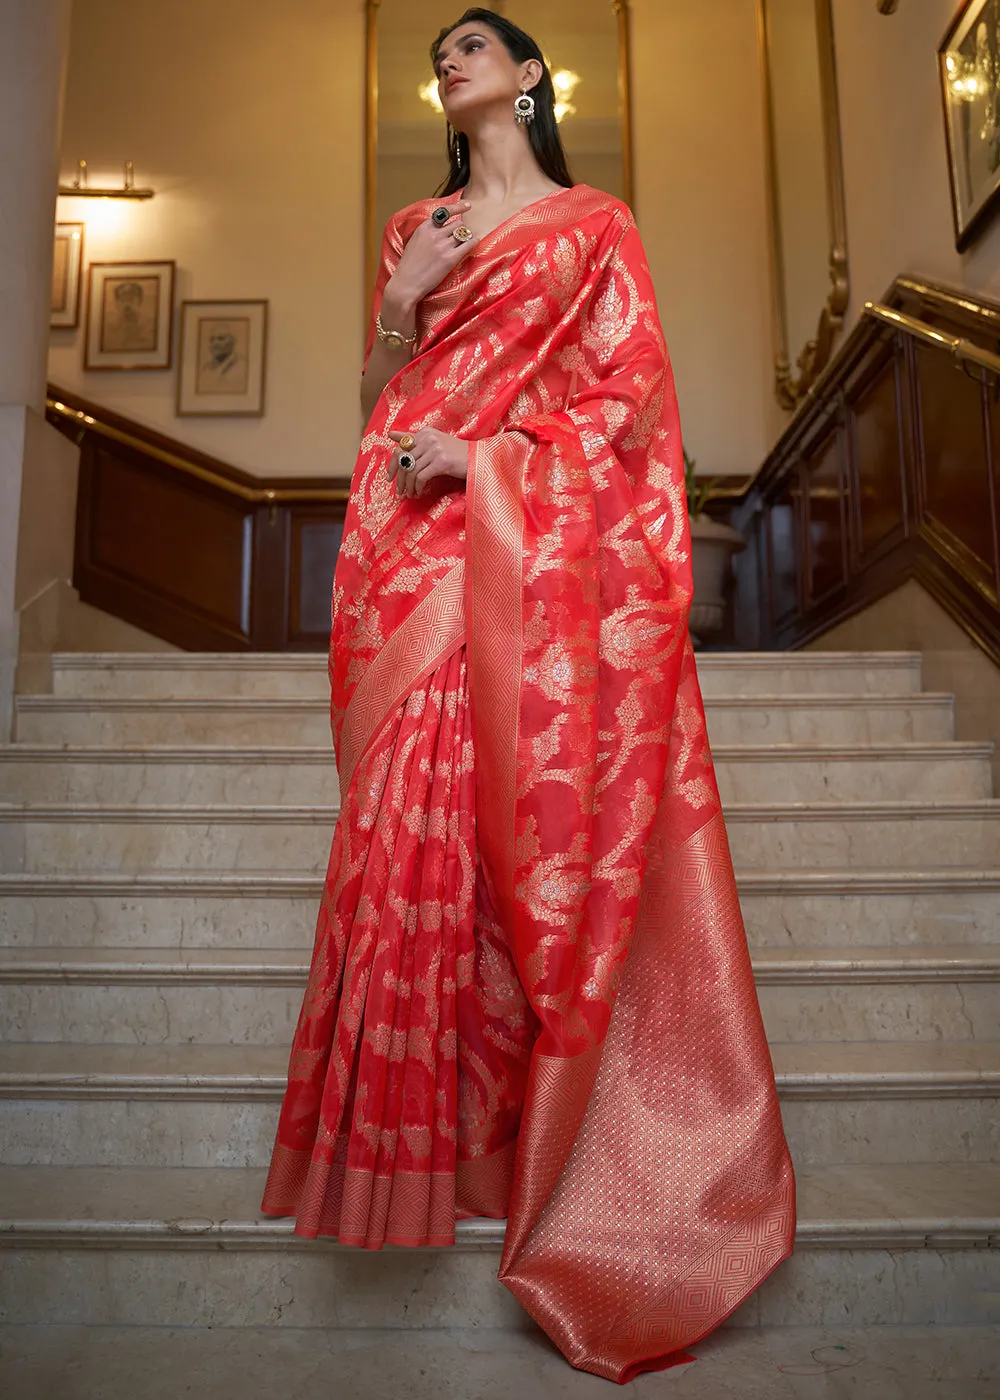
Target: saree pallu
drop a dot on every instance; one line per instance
(530, 992)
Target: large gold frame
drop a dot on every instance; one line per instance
(622, 11)
(792, 388)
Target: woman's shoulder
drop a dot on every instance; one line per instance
(607, 217)
(599, 201)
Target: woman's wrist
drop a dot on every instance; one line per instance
(399, 310)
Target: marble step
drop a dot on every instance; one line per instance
(862, 835)
(746, 1358)
(757, 719)
(265, 908)
(275, 676)
(188, 1248)
(211, 776)
(217, 1105)
(149, 996)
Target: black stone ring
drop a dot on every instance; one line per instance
(440, 217)
(407, 461)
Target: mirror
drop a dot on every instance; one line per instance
(805, 189)
(587, 45)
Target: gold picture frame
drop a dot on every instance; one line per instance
(621, 10)
(791, 385)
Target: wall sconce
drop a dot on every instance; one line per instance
(80, 189)
(887, 7)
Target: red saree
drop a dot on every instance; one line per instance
(530, 992)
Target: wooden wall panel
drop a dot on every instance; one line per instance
(782, 524)
(176, 544)
(316, 543)
(877, 449)
(896, 457)
(953, 462)
(825, 524)
(194, 551)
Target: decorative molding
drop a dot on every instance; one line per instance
(793, 384)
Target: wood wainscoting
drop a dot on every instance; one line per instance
(193, 550)
(888, 472)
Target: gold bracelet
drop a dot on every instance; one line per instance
(395, 340)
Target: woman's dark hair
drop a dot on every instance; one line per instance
(543, 132)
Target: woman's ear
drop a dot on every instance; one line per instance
(531, 73)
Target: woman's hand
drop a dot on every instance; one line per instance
(434, 454)
(429, 255)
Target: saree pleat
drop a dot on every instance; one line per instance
(414, 1024)
(366, 1147)
(530, 992)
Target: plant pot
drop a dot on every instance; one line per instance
(712, 547)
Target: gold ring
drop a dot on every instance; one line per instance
(407, 442)
(462, 234)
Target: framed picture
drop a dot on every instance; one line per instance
(969, 60)
(67, 265)
(130, 316)
(222, 359)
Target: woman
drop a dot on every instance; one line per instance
(530, 835)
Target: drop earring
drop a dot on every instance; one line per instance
(524, 109)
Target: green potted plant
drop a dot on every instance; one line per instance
(713, 545)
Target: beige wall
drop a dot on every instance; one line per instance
(246, 118)
(898, 198)
(702, 212)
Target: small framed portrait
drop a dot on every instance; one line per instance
(67, 265)
(130, 316)
(222, 359)
(969, 60)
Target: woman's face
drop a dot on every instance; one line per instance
(475, 71)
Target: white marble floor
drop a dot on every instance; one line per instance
(106, 1363)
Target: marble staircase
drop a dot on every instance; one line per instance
(164, 825)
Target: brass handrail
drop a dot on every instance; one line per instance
(254, 495)
(965, 351)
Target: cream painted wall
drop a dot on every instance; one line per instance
(896, 172)
(702, 213)
(246, 118)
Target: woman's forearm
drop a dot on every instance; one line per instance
(399, 313)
